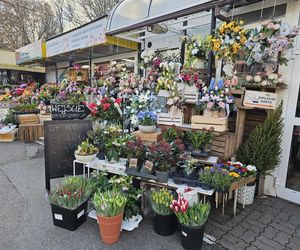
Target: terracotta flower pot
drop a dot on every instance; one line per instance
(110, 228)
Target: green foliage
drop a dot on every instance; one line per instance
(86, 148)
(263, 147)
(10, 118)
(222, 180)
(199, 139)
(170, 135)
(161, 200)
(109, 203)
(73, 192)
(206, 176)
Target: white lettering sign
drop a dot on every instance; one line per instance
(260, 99)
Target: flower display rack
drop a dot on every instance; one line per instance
(238, 95)
(223, 146)
(30, 132)
(215, 123)
(190, 94)
(169, 119)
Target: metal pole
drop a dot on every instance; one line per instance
(182, 50)
(210, 55)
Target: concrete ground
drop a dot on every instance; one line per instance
(26, 222)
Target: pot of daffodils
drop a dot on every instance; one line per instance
(165, 221)
(109, 206)
(86, 152)
(192, 220)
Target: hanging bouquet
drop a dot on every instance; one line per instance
(216, 97)
(196, 49)
(269, 43)
(70, 93)
(264, 79)
(108, 109)
(228, 40)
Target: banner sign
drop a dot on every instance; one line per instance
(31, 52)
(260, 99)
(89, 35)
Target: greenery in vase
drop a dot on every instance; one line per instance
(73, 192)
(109, 203)
(86, 148)
(161, 200)
(199, 139)
(263, 148)
(195, 215)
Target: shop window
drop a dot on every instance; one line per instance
(293, 174)
(127, 63)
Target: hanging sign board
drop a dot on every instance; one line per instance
(87, 36)
(260, 99)
(61, 140)
(31, 52)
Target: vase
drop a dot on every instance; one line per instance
(67, 218)
(192, 236)
(246, 193)
(147, 129)
(110, 228)
(163, 177)
(85, 158)
(164, 225)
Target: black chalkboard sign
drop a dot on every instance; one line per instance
(69, 111)
(61, 140)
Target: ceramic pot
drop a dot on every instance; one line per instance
(147, 129)
(110, 228)
(85, 158)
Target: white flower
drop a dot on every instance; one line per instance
(151, 53)
(143, 54)
(257, 78)
(249, 78)
(195, 51)
(216, 87)
(273, 76)
(113, 63)
(251, 168)
(280, 80)
(264, 83)
(134, 119)
(146, 59)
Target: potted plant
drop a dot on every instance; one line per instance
(136, 153)
(86, 152)
(192, 221)
(206, 177)
(161, 155)
(147, 121)
(69, 202)
(109, 206)
(170, 134)
(164, 219)
(199, 141)
(221, 179)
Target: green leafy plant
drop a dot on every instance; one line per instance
(161, 200)
(109, 203)
(73, 192)
(161, 155)
(199, 139)
(221, 179)
(263, 148)
(170, 135)
(10, 118)
(206, 175)
(86, 148)
(195, 215)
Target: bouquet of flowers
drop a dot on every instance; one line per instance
(191, 77)
(228, 39)
(150, 59)
(217, 97)
(268, 44)
(108, 109)
(264, 79)
(48, 91)
(196, 48)
(70, 93)
(161, 200)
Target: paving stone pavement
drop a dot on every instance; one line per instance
(26, 223)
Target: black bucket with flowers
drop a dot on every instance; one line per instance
(69, 202)
(165, 221)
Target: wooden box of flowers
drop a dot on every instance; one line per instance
(69, 202)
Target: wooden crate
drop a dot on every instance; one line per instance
(167, 119)
(10, 136)
(223, 146)
(190, 94)
(30, 132)
(28, 119)
(238, 95)
(148, 138)
(204, 122)
(44, 117)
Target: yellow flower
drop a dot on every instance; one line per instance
(230, 25)
(236, 29)
(207, 168)
(242, 22)
(234, 174)
(217, 45)
(243, 40)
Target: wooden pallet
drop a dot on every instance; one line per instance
(28, 119)
(204, 122)
(149, 138)
(30, 132)
(223, 146)
(10, 136)
(166, 119)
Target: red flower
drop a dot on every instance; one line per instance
(118, 101)
(104, 100)
(92, 106)
(106, 106)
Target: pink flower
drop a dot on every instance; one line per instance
(222, 105)
(227, 83)
(210, 105)
(176, 209)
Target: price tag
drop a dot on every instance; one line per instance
(133, 162)
(149, 165)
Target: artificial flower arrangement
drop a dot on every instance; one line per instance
(131, 83)
(269, 43)
(107, 109)
(191, 77)
(150, 60)
(228, 40)
(48, 92)
(196, 49)
(216, 97)
(264, 79)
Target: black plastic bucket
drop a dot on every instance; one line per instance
(165, 225)
(192, 237)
